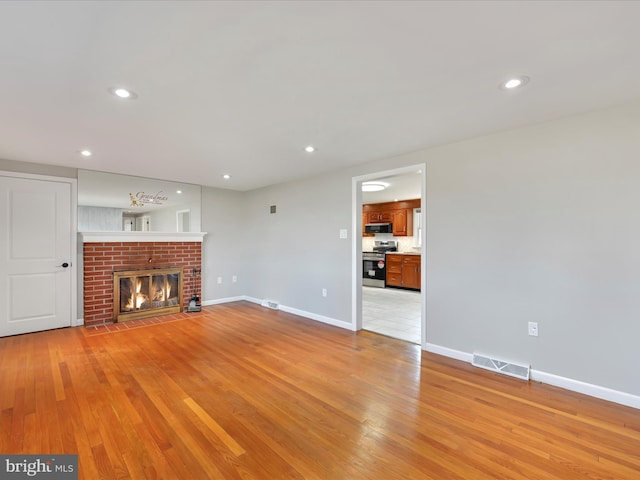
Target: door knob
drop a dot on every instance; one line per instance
(64, 265)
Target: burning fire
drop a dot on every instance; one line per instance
(137, 298)
(140, 300)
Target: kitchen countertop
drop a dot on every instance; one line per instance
(402, 253)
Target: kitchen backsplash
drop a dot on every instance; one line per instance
(405, 244)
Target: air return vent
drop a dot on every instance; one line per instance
(271, 304)
(501, 366)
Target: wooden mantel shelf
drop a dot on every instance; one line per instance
(91, 237)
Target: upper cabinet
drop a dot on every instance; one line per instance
(399, 214)
(380, 216)
(400, 221)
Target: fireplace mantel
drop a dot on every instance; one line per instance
(104, 253)
(92, 237)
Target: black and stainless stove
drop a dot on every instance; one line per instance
(374, 264)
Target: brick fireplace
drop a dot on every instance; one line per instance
(106, 253)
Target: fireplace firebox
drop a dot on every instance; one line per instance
(146, 293)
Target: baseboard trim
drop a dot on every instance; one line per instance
(448, 352)
(218, 301)
(285, 308)
(597, 391)
(317, 318)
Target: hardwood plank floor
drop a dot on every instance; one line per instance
(243, 392)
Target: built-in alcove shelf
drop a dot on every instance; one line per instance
(92, 237)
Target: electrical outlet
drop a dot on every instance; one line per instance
(234, 279)
(533, 329)
(324, 292)
(219, 280)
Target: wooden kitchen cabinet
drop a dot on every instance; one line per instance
(399, 221)
(403, 271)
(399, 214)
(411, 271)
(373, 214)
(394, 270)
(380, 216)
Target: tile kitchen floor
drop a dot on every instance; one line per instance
(392, 312)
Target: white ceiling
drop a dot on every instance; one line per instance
(398, 187)
(242, 87)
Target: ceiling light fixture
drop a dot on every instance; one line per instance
(178, 192)
(514, 82)
(86, 153)
(123, 93)
(226, 176)
(309, 149)
(373, 186)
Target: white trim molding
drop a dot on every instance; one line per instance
(219, 301)
(284, 308)
(318, 318)
(597, 391)
(448, 352)
(93, 237)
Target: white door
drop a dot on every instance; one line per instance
(35, 255)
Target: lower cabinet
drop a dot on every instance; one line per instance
(403, 271)
(394, 270)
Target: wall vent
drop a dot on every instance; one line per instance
(501, 366)
(271, 304)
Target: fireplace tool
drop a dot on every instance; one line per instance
(194, 303)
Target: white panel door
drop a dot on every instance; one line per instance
(35, 255)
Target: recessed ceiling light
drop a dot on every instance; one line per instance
(309, 149)
(514, 82)
(178, 192)
(226, 176)
(123, 93)
(86, 153)
(373, 186)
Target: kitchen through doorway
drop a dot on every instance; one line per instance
(393, 310)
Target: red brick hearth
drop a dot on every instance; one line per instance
(101, 259)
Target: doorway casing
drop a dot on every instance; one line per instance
(356, 246)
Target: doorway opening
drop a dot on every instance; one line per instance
(395, 308)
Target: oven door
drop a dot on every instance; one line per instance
(374, 271)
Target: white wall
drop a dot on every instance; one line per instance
(227, 250)
(99, 219)
(38, 169)
(163, 220)
(166, 220)
(297, 252)
(540, 224)
(535, 224)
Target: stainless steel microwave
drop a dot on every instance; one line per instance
(378, 228)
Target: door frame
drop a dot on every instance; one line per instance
(356, 245)
(76, 261)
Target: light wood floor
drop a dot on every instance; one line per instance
(244, 392)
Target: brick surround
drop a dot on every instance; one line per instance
(101, 259)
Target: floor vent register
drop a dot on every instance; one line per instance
(501, 366)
